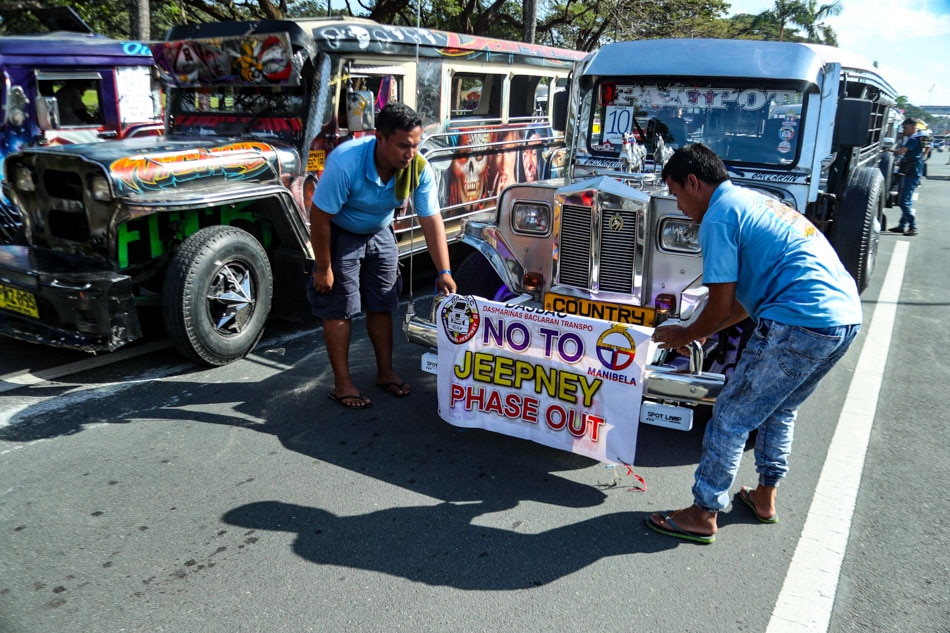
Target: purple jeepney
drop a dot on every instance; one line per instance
(46, 74)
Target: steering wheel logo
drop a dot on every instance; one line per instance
(616, 348)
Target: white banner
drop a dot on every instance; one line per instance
(566, 382)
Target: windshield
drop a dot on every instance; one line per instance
(741, 124)
(225, 110)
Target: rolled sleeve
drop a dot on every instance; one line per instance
(720, 248)
(333, 188)
(426, 196)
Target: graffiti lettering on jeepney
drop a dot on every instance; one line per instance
(251, 59)
(653, 96)
(459, 44)
(237, 161)
(389, 39)
(265, 60)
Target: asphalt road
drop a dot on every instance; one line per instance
(147, 494)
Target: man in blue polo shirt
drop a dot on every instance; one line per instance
(764, 260)
(356, 256)
(911, 169)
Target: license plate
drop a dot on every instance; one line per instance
(665, 415)
(430, 363)
(604, 310)
(19, 301)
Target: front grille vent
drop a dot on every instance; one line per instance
(63, 184)
(574, 253)
(66, 221)
(617, 249)
(617, 237)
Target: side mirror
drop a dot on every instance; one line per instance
(15, 109)
(359, 110)
(559, 111)
(852, 123)
(47, 113)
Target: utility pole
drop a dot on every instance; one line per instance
(138, 14)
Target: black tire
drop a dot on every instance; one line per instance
(856, 231)
(476, 277)
(887, 170)
(217, 295)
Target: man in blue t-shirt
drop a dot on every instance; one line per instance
(911, 169)
(356, 258)
(764, 260)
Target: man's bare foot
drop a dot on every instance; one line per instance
(692, 524)
(392, 383)
(761, 501)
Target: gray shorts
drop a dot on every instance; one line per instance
(365, 275)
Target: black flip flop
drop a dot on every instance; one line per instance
(388, 386)
(746, 499)
(343, 400)
(677, 531)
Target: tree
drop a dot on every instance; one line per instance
(809, 16)
(783, 13)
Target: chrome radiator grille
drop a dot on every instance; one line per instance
(574, 253)
(616, 236)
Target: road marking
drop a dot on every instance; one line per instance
(808, 593)
(26, 377)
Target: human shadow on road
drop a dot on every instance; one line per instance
(439, 545)
(400, 442)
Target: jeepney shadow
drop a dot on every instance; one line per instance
(281, 390)
(439, 544)
(659, 447)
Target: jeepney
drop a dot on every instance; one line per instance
(801, 123)
(123, 94)
(210, 222)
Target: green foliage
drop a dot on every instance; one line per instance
(577, 24)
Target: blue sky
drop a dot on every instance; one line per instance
(910, 40)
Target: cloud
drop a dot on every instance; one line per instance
(909, 39)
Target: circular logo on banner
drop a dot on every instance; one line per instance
(460, 318)
(616, 348)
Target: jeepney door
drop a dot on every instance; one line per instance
(828, 79)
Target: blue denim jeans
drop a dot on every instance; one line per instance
(906, 201)
(780, 367)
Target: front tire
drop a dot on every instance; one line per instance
(856, 231)
(476, 277)
(217, 295)
(887, 171)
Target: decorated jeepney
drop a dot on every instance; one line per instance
(123, 94)
(210, 222)
(557, 303)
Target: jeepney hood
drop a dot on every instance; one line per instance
(139, 166)
(80, 193)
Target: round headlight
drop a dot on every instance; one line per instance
(23, 179)
(99, 187)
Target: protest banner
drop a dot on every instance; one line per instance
(563, 381)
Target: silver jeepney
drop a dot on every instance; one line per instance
(800, 123)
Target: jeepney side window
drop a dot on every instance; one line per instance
(78, 99)
(528, 96)
(477, 95)
(141, 94)
(385, 89)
